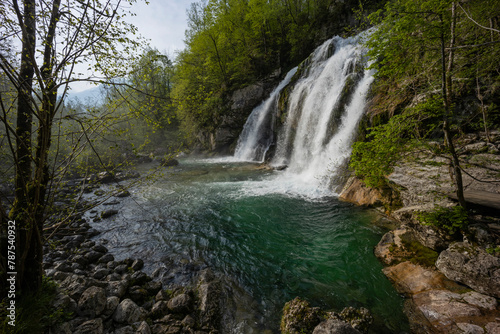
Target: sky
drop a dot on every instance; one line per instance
(163, 22)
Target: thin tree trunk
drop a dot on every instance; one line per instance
(446, 94)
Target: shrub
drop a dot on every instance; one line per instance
(452, 220)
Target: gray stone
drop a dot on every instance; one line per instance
(332, 326)
(108, 213)
(188, 321)
(137, 265)
(123, 193)
(159, 309)
(111, 264)
(169, 162)
(128, 312)
(101, 273)
(476, 148)
(74, 286)
(137, 294)
(140, 278)
(152, 287)
(66, 303)
(121, 269)
(471, 266)
(93, 326)
(117, 288)
(64, 328)
(105, 177)
(93, 256)
(180, 304)
(111, 305)
(125, 330)
(480, 300)
(80, 259)
(106, 258)
(492, 328)
(114, 277)
(59, 275)
(470, 328)
(143, 328)
(63, 266)
(247, 97)
(92, 302)
(162, 295)
(100, 249)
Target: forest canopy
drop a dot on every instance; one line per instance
(233, 43)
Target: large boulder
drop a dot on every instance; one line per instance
(210, 299)
(117, 288)
(450, 312)
(92, 302)
(128, 312)
(410, 279)
(355, 191)
(299, 317)
(472, 266)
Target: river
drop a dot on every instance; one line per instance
(270, 241)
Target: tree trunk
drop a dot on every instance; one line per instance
(446, 94)
(27, 236)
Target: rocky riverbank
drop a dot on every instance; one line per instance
(450, 278)
(99, 294)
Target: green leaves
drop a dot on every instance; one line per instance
(452, 220)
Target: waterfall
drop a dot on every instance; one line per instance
(258, 132)
(324, 107)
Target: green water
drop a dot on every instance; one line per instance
(239, 221)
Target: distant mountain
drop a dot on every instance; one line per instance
(91, 95)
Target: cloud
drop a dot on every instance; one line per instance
(163, 22)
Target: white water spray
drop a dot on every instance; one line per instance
(257, 134)
(324, 108)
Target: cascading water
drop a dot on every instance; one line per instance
(324, 108)
(257, 134)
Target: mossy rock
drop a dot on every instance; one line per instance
(299, 317)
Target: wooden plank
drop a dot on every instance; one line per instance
(483, 198)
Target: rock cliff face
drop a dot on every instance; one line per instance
(451, 285)
(241, 103)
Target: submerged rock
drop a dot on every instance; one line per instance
(169, 162)
(108, 213)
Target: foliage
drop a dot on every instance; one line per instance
(407, 47)
(493, 251)
(452, 220)
(373, 159)
(144, 109)
(34, 311)
(231, 44)
(52, 40)
(429, 54)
